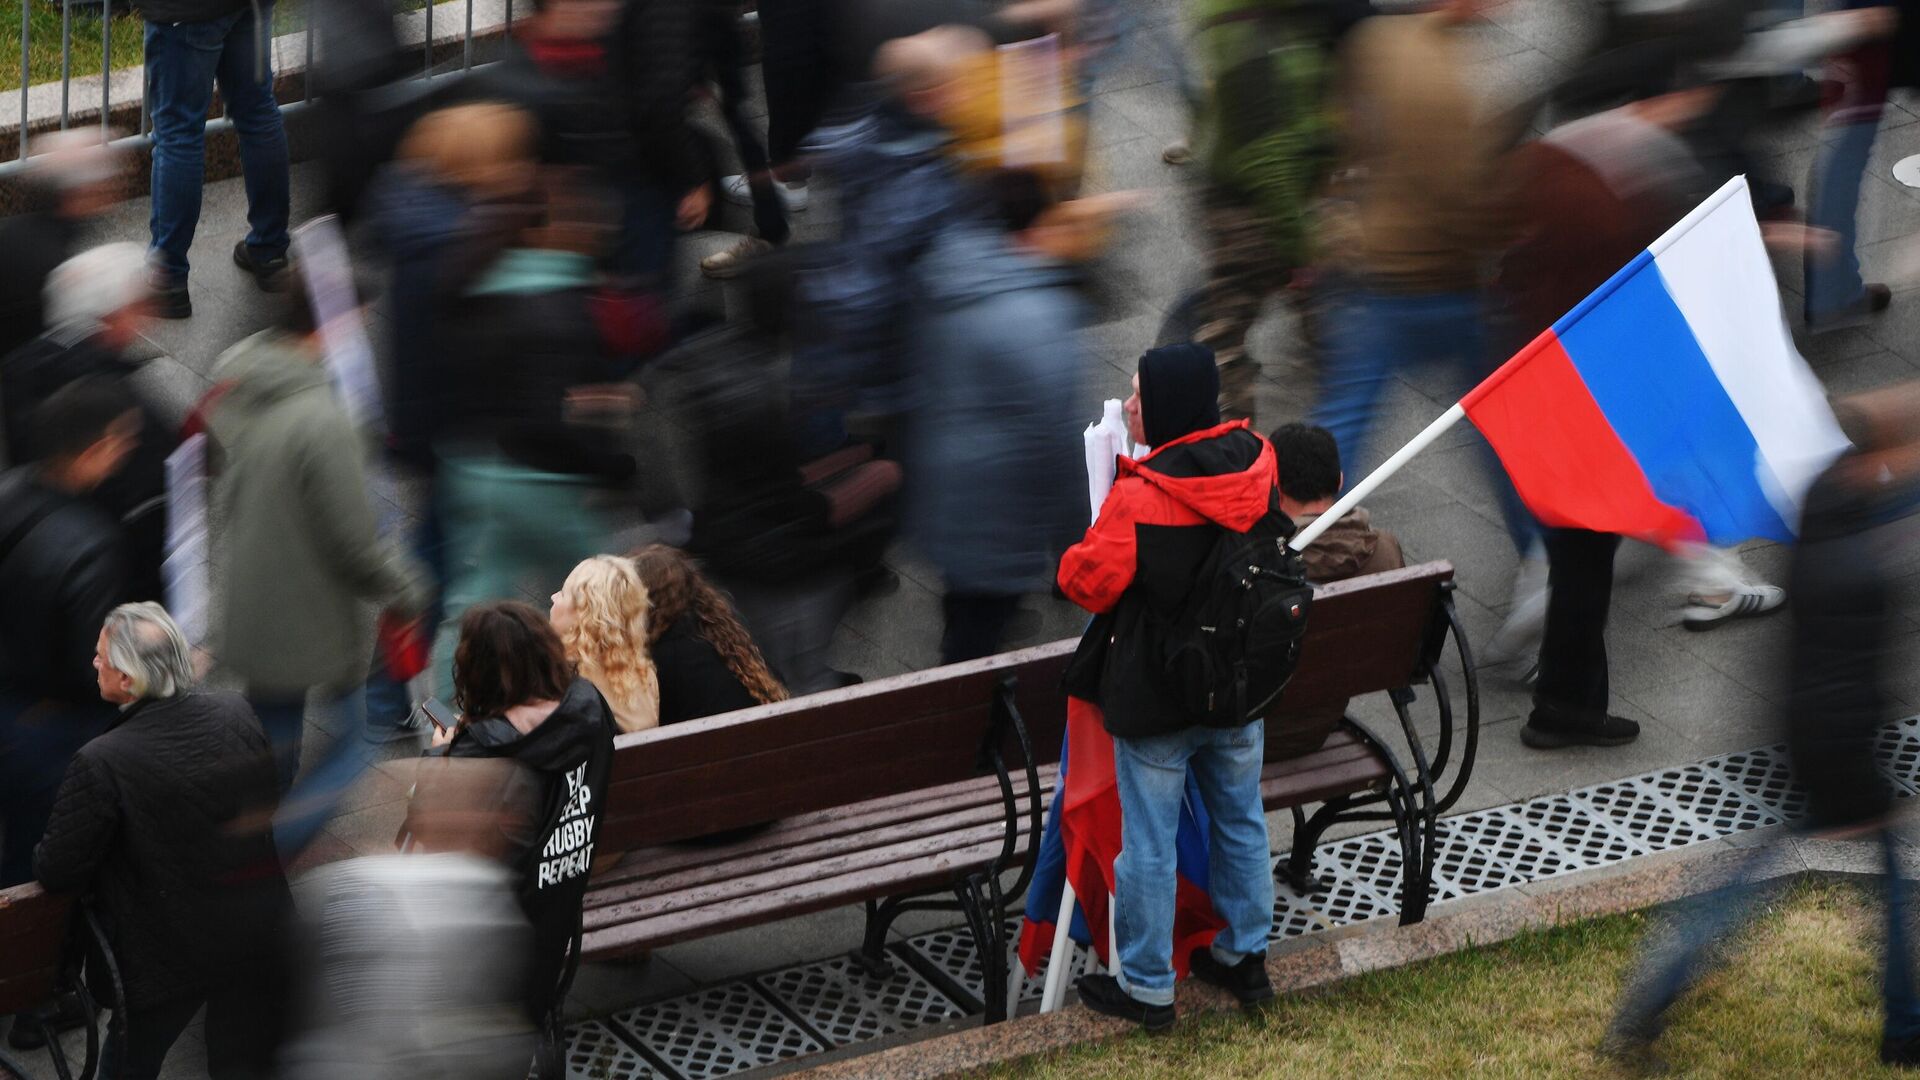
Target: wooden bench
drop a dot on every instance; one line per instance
(889, 793)
(43, 949)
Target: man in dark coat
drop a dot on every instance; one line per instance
(61, 571)
(163, 822)
(1139, 560)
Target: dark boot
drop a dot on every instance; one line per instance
(1103, 995)
(1551, 727)
(1247, 980)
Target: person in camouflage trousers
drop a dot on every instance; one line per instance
(1265, 143)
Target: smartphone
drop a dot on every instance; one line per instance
(440, 714)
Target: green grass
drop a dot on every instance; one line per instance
(1800, 998)
(126, 35)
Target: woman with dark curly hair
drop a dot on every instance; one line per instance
(706, 661)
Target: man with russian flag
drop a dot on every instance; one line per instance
(1170, 807)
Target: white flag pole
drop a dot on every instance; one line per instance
(1379, 476)
(1055, 990)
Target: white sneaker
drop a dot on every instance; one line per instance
(1520, 634)
(1744, 602)
(737, 191)
(731, 261)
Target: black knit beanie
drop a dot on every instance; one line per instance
(1179, 392)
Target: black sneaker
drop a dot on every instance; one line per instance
(270, 273)
(170, 300)
(1550, 728)
(1246, 981)
(1103, 995)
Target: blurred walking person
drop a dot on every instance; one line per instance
(1429, 208)
(1265, 140)
(994, 472)
(97, 303)
(162, 822)
(1857, 518)
(61, 572)
(413, 965)
(302, 554)
(68, 182)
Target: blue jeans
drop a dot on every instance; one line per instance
(307, 805)
(1370, 337)
(1152, 777)
(1669, 965)
(1833, 281)
(184, 60)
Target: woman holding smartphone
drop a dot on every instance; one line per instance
(519, 699)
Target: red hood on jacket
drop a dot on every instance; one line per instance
(1225, 477)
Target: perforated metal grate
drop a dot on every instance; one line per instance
(1375, 859)
(1578, 831)
(594, 1052)
(717, 1032)
(1766, 776)
(839, 1001)
(1347, 900)
(1642, 811)
(1898, 749)
(1490, 849)
(1717, 806)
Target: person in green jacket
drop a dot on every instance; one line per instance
(302, 554)
(1264, 140)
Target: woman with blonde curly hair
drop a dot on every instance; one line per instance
(707, 661)
(601, 614)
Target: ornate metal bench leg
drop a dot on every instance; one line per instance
(871, 956)
(989, 942)
(1298, 872)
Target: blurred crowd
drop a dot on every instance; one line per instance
(707, 492)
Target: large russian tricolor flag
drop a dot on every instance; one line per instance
(1671, 404)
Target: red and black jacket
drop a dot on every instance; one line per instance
(1140, 558)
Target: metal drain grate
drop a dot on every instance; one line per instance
(951, 953)
(594, 1052)
(1766, 776)
(1347, 900)
(1723, 810)
(1898, 749)
(1641, 811)
(1579, 831)
(839, 1001)
(1375, 859)
(1490, 849)
(717, 1032)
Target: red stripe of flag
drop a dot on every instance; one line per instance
(1565, 459)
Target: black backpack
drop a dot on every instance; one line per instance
(1231, 647)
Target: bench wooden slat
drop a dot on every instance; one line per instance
(936, 828)
(877, 860)
(793, 900)
(982, 803)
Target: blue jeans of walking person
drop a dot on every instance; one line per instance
(1152, 777)
(308, 802)
(1833, 276)
(1371, 337)
(184, 61)
(1673, 963)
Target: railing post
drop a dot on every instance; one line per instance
(66, 57)
(25, 10)
(106, 67)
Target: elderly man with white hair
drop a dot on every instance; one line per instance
(96, 305)
(161, 821)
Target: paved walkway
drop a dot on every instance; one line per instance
(1697, 696)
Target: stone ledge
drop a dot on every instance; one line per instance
(1451, 926)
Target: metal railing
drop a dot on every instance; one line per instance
(141, 138)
